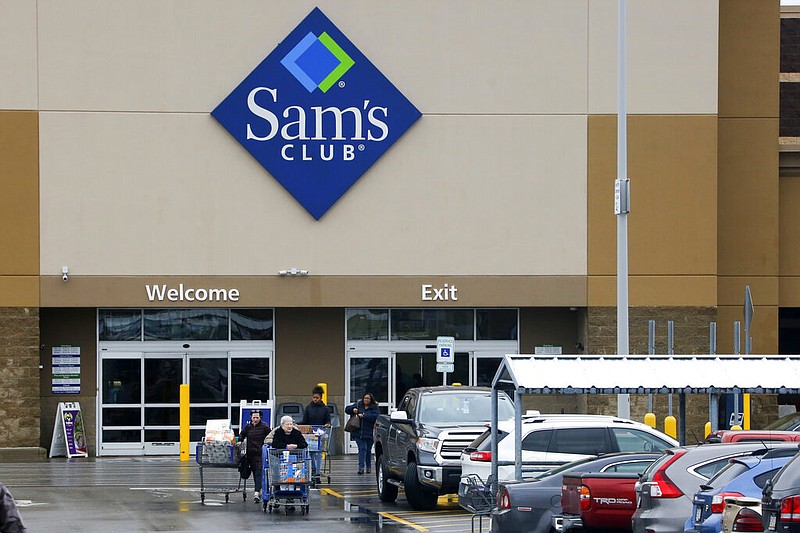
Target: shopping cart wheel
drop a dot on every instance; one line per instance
(202, 497)
(329, 480)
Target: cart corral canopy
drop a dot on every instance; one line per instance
(632, 374)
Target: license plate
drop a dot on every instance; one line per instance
(772, 520)
(698, 514)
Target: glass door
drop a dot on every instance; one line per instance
(418, 369)
(369, 372)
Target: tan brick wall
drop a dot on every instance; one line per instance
(20, 405)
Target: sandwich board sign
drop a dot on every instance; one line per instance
(245, 408)
(69, 435)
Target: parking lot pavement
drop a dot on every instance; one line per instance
(124, 494)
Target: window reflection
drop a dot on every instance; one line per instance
(369, 375)
(186, 324)
(119, 324)
(162, 378)
(367, 324)
(122, 381)
(208, 381)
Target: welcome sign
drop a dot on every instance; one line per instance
(316, 113)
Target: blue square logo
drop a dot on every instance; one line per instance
(316, 113)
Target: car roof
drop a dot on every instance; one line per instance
(530, 423)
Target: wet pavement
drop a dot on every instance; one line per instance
(163, 494)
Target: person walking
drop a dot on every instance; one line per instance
(367, 410)
(316, 413)
(255, 432)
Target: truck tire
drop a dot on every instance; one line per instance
(386, 491)
(419, 497)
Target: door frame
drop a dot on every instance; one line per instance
(170, 349)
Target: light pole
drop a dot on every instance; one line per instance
(622, 202)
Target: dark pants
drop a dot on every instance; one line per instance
(255, 465)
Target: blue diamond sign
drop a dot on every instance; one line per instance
(316, 113)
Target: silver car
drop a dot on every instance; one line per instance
(664, 494)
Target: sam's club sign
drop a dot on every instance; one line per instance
(316, 113)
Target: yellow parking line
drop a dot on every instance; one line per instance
(331, 493)
(403, 521)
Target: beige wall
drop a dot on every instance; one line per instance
(672, 223)
(748, 186)
(19, 209)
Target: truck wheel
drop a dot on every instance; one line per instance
(386, 491)
(419, 497)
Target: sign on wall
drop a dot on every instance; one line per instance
(316, 113)
(66, 369)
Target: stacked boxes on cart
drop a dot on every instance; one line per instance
(293, 468)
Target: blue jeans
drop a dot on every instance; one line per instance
(316, 462)
(364, 453)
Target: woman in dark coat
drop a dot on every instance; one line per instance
(255, 432)
(367, 410)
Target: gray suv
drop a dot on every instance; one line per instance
(664, 493)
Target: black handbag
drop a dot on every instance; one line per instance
(353, 424)
(244, 467)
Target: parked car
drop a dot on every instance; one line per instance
(742, 514)
(549, 441)
(742, 476)
(780, 500)
(790, 422)
(530, 505)
(752, 435)
(664, 494)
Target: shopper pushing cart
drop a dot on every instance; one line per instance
(317, 415)
(288, 469)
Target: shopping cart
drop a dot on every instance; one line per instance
(287, 474)
(318, 439)
(224, 456)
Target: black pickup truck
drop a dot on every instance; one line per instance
(419, 445)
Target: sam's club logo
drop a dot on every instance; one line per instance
(316, 113)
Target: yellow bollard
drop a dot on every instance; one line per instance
(707, 430)
(671, 426)
(650, 420)
(746, 411)
(324, 392)
(736, 427)
(184, 422)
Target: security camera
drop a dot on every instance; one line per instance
(65, 274)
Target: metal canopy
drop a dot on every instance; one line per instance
(610, 374)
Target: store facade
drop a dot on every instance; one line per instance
(253, 199)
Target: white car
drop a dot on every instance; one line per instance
(552, 440)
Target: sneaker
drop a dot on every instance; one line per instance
(257, 498)
(369, 470)
(360, 471)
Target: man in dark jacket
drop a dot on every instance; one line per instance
(255, 432)
(316, 414)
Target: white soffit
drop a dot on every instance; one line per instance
(644, 374)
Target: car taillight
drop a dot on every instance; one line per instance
(661, 485)
(586, 497)
(718, 501)
(481, 456)
(790, 509)
(748, 520)
(503, 499)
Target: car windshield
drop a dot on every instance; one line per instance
(785, 423)
(468, 407)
